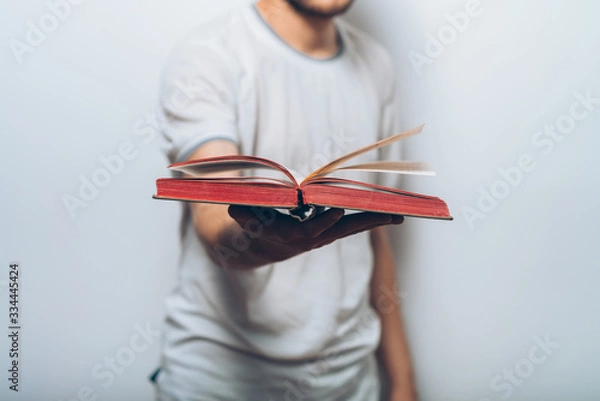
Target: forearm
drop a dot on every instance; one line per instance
(393, 349)
(227, 244)
(241, 237)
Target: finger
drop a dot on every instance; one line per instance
(356, 223)
(328, 239)
(274, 225)
(397, 219)
(243, 215)
(322, 222)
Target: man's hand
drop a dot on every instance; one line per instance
(281, 236)
(403, 393)
(241, 237)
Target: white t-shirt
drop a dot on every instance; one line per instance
(302, 327)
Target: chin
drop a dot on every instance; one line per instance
(321, 8)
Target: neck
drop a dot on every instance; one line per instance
(316, 37)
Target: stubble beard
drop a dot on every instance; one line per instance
(303, 7)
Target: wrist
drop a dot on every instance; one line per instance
(402, 379)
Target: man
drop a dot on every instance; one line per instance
(269, 308)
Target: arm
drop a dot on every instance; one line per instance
(235, 237)
(240, 238)
(393, 349)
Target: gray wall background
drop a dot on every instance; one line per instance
(518, 266)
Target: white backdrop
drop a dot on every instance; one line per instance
(499, 304)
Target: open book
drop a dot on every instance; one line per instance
(305, 198)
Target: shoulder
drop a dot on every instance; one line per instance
(208, 47)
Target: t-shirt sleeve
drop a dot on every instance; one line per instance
(197, 98)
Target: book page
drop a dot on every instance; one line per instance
(365, 185)
(398, 167)
(219, 164)
(250, 179)
(329, 167)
